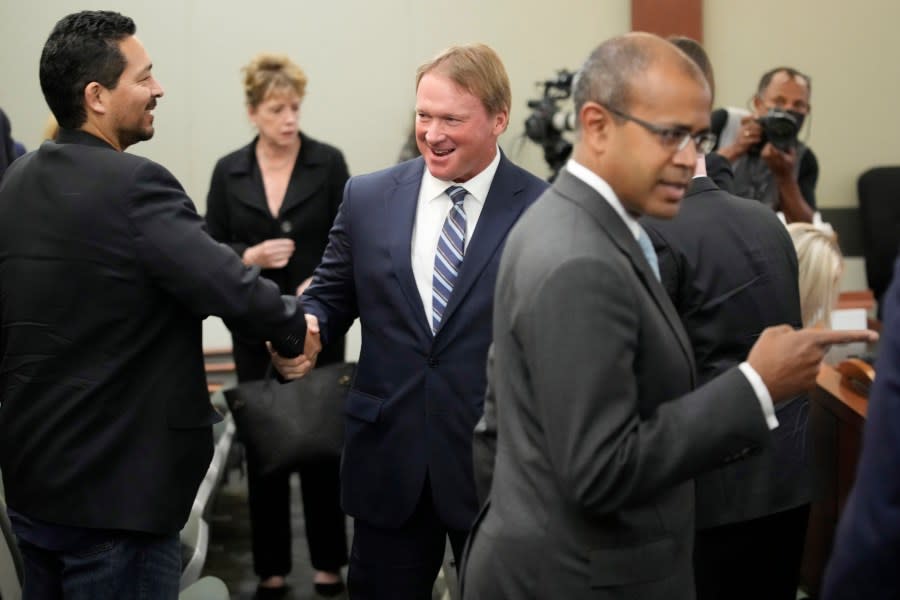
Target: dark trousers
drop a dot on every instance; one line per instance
(752, 560)
(270, 495)
(401, 563)
(121, 567)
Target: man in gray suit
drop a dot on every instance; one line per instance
(598, 431)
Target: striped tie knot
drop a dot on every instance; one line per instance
(449, 256)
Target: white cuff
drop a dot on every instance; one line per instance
(762, 394)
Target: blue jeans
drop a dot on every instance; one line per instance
(124, 566)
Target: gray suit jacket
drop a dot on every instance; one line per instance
(599, 435)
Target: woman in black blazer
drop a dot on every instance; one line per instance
(274, 201)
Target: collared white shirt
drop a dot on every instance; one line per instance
(603, 188)
(431, 212)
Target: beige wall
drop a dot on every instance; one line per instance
(360, 56)
(848, 48)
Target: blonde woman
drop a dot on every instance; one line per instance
(273, 201)
(821, 265)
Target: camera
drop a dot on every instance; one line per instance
(547, 121)
(780, 129)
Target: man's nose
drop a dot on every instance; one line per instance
(687, 156)
(434, 131)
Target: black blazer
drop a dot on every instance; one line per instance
(730, 268)
(237, 213)
(106, 272)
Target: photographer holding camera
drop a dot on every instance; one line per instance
(770, 164)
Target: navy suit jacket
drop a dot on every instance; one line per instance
(416, 396)
(867, 548)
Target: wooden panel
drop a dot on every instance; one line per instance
(836, 419)
(668, 17)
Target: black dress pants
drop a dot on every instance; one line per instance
(753, 560)
(270, 495)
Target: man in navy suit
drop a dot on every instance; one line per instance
(392, 260)
(867, 548)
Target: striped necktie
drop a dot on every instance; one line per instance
(449, 256)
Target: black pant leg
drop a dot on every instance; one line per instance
(326, 527)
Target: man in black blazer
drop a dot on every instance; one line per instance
(106, 272)
(599, 430)
(407, 468)
(730, 268)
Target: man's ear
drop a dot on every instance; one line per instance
(758, 106)
(596, 124)
(95, 98)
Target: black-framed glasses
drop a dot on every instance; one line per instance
(674, 138)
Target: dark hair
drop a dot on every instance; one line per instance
(766, 79)
(696, 53)
(83, 47)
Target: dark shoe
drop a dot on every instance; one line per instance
(271, 593)
(329, 590)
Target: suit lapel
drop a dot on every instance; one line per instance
(586, 197)
(243, 186)
(500, 212)
(301, 188)
(399, 204)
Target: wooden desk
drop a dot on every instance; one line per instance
(837, 414)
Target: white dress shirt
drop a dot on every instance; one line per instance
(603, 188)
(431, 212)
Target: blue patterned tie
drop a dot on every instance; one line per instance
(448, 259)
(649, 253)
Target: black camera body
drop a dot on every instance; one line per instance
(546, 122)
(780, 129)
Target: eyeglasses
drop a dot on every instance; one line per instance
(675, 138)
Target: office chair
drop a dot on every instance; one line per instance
(879, 212)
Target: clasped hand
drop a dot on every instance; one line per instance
(294, 368)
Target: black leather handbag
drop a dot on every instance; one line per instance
(284, 425)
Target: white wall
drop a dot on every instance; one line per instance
(850, 51)
(360, 57)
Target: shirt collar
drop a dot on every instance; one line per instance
(603, 188)
(477, 187)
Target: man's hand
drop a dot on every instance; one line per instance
(780, 163)
(294, 368)
(788, 360)
(270, 254)
(749, 135)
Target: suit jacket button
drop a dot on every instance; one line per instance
(286, 226)
(432, 361)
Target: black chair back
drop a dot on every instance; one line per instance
(879, 211)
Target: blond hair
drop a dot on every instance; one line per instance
(821, 264)
(477, 69)
(271, 73)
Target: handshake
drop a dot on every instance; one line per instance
(297, 367)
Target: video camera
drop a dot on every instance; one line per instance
(780, 128)
(546, 122)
